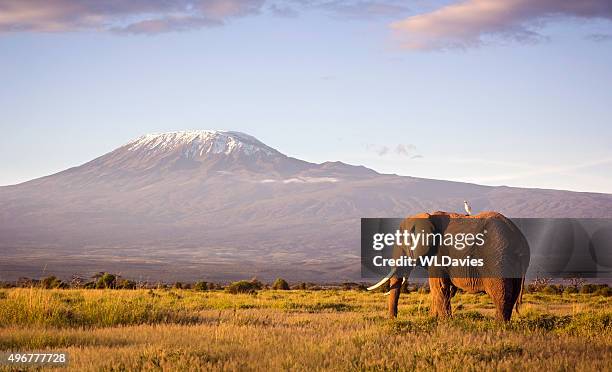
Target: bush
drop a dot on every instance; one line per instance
(106, 281)
(178, 285)
(200, 286)
(604, 291)
(570, 290)
(126, 284)
(587, 288)
(89, 285)
(280, 284)
(51, 282)
(300, 286)
(550, 289)
(244, 286)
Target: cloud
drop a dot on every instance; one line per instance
(405, 150)
(599, 37)
(468, 23)
(134, 16)
(283, 11)
(350, 9)
(302, 180)
(167, 24)
(363, 9)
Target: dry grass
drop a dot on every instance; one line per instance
(123, 330)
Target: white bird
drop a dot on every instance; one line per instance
(468, 209)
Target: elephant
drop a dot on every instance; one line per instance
(504, 249)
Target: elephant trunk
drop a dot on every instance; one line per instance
(396, 287)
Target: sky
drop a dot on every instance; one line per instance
(510, 92)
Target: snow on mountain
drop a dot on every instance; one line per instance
(197, 143)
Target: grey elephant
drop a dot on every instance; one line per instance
(505, 251)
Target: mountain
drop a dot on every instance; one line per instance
(222, 205)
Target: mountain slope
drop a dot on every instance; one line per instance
(223, 205)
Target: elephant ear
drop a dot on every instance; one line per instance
(417, 227)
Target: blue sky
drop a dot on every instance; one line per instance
(497, 100)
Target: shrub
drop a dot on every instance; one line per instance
(550, 289)
(570, 290)
(126, 284)
(244, 286)
(178, 285)
(200, 286)
(588, 288)
(106, 281)
(280, 284)
(604, 291)
(51, 282)
(547, 322)
(89, 285)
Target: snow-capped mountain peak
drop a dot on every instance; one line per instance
(198, 143)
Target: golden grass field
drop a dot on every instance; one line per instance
(185, 330)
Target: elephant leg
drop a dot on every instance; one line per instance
(517, 284)
(394, 294)
(441, 292)
(503, 294)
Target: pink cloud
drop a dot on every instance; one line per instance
(133, 16)
(464, 24)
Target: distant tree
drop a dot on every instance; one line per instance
(200, 286)
(76, 281)
(98, 275)
(244, 286)
(550, 289)
(280, 284)
(575, 282)
(588, 288)
(141, 284)
(90, 285)
(51, 282)
(604, 290)
(24, 282)
(126, 284)
(106, 281)
(178, 285)
(570, 290)
(539, 283)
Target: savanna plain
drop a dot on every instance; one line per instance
(189, 330)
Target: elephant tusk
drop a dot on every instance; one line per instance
(383, 281)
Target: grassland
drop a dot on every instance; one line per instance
(185, 330)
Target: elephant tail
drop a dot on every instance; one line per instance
(519, 300)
